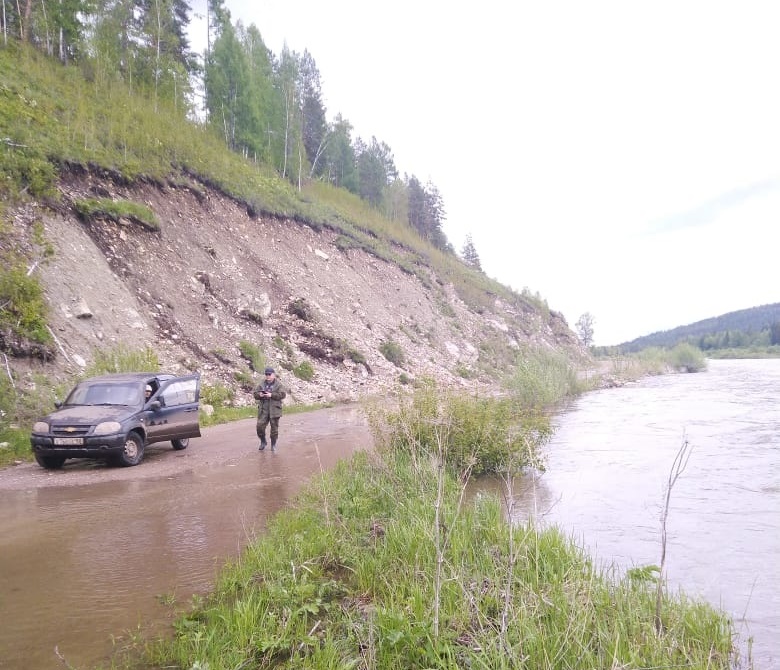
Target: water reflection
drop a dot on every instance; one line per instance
(80, 566)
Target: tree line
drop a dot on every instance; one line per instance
(267, 107)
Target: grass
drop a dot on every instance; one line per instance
(347, 578)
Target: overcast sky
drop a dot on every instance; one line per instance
(619, 158)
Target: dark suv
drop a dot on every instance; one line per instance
(110, 417)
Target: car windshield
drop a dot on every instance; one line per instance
(105, 393)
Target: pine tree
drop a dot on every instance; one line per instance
(469, 253)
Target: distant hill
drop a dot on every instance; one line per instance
(751, 320)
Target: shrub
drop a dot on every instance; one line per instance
(23, 308)
(487, 435)
(216, 395)
(542, 378)
(392, 351)
(304, 371)
(687, 357)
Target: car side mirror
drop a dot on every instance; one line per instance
(58, 403)
(155, 405)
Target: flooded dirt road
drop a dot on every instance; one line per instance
(92, 555)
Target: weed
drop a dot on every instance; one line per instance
(393, 352)
(252, 354)
(304, 370)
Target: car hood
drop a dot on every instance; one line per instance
(90, 414)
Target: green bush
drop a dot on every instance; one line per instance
(392, 351)
(304, 370)
(542, 378)
(489, 435)
(687, 357)
(23, 308)
(216, 395)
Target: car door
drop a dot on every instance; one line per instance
(177, 416)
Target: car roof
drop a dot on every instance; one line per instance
(129, 377)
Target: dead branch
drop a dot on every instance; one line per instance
(678, 467)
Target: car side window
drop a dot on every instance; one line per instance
(182, 392)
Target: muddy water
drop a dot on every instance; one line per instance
(605, 483)
(85, 566)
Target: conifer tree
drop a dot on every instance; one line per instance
(469, 253)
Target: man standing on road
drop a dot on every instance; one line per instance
(269, 394)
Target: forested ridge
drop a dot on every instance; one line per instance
(753, 327)
(266, 107)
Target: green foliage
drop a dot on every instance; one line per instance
(304, 370)
(251, 352)
(20, 405)
(66, 118)
(245, 379)
(355, 356)
(541, 378)
(351, 569)
(393, 352)
(687, 357)
(216, 395)
(23, 309)
(123, 359)
(115, 210)
(465, 371)
(486, 435)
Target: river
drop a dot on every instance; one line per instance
(91, 557)
(607, 471)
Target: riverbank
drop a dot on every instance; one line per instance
(382, 564)
(385, 563)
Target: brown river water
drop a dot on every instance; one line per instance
(92, 556)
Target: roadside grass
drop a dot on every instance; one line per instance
(347, 578)
(385, 562)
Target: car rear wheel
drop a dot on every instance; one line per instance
(50, 462)
(133, 451)
(180, 444)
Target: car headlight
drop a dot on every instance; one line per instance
(107, 428)
(40, 427)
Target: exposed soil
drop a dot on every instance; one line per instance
(215, 278)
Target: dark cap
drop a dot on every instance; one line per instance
(269, 371)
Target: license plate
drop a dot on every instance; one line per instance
(68, 441)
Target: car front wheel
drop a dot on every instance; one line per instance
(133, 451)
(50, 462)
(180, 444)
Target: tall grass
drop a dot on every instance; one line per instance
(346, 578)
(542, 378)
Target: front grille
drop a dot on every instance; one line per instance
(70, 431)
